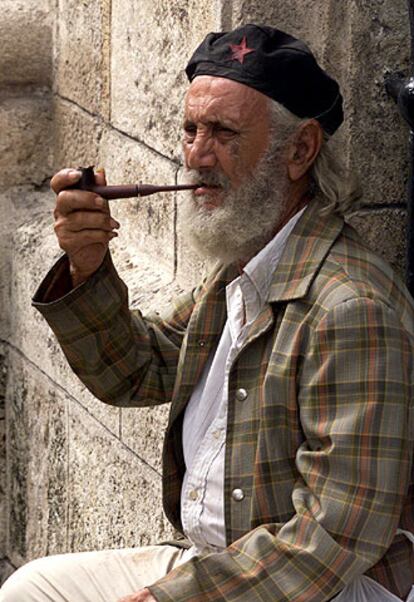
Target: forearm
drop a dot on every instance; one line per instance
(117, 354)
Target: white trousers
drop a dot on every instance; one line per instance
(104, 576)
(110, 575)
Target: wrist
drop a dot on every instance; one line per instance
(78, 276)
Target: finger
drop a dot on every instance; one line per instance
(76, 200)
(86, 220)
(100, 177)
(100, 180)
(73, 243)
(64, 178)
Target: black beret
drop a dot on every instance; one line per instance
(276, 64)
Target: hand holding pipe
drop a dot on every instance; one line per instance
(87, 182)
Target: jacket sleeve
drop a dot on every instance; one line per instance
(123, 358)
(354, 394)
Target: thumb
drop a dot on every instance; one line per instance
(100, 177)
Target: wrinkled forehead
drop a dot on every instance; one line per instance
(214, 97)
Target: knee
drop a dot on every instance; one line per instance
(23, 584)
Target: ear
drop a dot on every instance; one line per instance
(304, 149)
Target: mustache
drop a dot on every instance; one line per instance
(211, 177)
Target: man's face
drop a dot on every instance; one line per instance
(226, 131)
(231, 150)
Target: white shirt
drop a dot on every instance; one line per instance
(205, 419)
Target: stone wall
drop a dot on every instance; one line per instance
(101, 82)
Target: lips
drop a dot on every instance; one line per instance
(206, 189)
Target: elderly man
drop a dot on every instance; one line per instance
(287, 458)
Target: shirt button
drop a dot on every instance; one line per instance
(201, 343)
(216, 434)
(237, 495)
(193, 495)
(241, 394)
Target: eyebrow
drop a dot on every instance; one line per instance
(213, 123)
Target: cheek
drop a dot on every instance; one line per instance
(229, 160)
(185, 151)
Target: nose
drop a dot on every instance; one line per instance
(200, 153)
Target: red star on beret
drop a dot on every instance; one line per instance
(239, 51)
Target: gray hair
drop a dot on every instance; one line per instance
(339, 190)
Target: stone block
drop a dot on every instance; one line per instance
(35, 250)
(26, 43)
(6, 569)
(143, 431)
(306, 19)
(377, 136)
(82, 62)
(76, 136)
(19, 205)
(25, 147)
(3, 474)
(147, 223)
(151, 45)
(385, 231)
(115, 497)
(37, 463)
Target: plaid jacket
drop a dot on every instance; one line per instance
(320, 440)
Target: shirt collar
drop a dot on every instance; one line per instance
(262, 266)
(247, 294)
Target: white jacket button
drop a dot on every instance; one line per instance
(237, 495)
(241, 394)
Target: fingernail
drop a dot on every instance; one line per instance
(100, 170)
(114, 223)
(113, 234)
(73, 174)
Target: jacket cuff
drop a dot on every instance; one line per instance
(67, 309)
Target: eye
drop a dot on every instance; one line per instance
(190, 132)
(224, 133)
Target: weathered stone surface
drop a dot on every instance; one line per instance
(151, 45)
(35, 251)
(115, 497)
(384, 230)
(307, 19)
(37, 463)
(377, 137)
(3, 474)
(82, 62)
(147, 223)
(76, 136)
(25, 125)
(19, 205)
(143, 431)
(26, 42)
(6, 569)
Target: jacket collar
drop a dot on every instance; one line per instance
(307, 246)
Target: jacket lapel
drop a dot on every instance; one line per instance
(204, 330)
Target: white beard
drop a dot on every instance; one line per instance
(247, 218)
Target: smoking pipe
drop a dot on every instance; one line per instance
(87, 182)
